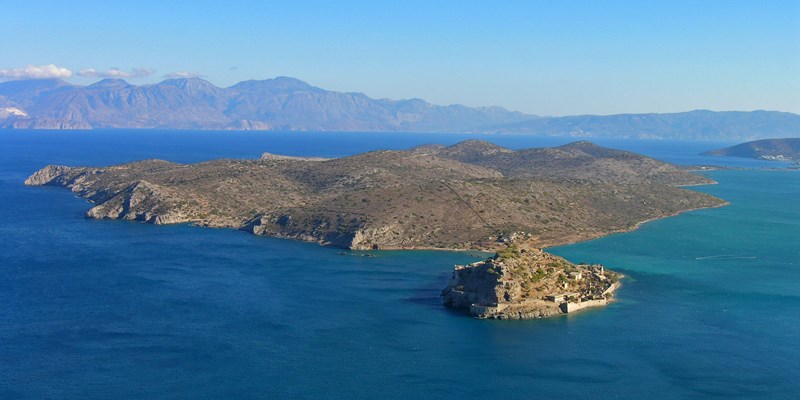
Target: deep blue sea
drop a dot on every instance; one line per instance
(125, 310)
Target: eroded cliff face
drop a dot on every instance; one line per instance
(139, 201)
(326, 230)
(522, 282)
(60, 175)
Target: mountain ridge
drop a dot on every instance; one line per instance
(281, 103)
(694, 125)
(289, 104)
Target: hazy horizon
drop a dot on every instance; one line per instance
(133, 82)
(577, 58)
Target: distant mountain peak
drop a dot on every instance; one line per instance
(110, 83)
(288, 80)
(188, 83)
(277, 83)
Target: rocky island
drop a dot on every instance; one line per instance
(522, 282)
(471, 195)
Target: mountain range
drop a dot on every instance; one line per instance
(288, 104)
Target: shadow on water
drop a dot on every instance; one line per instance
(429, 294)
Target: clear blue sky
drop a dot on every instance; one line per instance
(541, 57)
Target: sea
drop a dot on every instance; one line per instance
(709, 309)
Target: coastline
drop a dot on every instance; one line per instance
(637, 225)
(640, 223)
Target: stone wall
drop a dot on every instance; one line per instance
(572, 307)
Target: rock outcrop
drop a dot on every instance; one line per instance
(141, 201)
(48, 175)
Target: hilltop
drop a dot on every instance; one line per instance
(469, 195)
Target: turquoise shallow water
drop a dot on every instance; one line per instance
(111, 309)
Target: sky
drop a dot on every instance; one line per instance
(539, 57)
